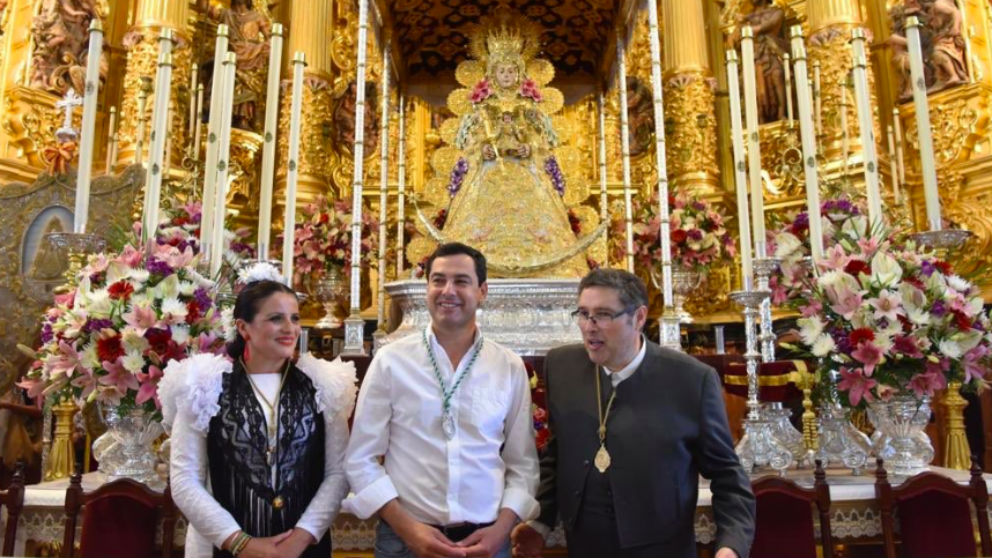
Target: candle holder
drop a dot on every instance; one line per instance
(942, 240)
(354, 335)
(670, 329)
(763, 269)
(75, 248)
(684, 281)
(758, 447)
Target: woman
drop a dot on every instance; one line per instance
(258, 440)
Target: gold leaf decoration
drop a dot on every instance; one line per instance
(553, 100)
(449, 129)
(470, 72)
(460, 101)
(419, 248)
(541, 71)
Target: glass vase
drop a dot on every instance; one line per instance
(901, 441)
(125, 450)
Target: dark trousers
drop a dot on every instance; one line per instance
(595, 532)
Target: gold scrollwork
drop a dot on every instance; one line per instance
(690, 125)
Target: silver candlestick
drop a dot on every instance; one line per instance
(764, 268)
(758, 447)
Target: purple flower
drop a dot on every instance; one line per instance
(97, 324)
(156, 266)
(802, 220)
(554, 173)
(927, 268)
(203, 299)
(457, 176)
(698, 205)
(695, 234)
(46, 333)
(938, 308)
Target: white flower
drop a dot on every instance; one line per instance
(98, 304)
(117, 271)
(88, 357)
(960, 343)
(810, 329)
(173, 310)
(259, 271)
(787, 245)
(199, 279)
(885, 270)
(180, 334)
(823, 345)
(227, 324)
(138, 276)
(133, 361)
(140, 299)
(168, 287)
(132, 340)
(958, 283)
(186, 288)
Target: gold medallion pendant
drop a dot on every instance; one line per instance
(602, 460)
(278, 503)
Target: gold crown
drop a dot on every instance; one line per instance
(504, 44)
(504, 38)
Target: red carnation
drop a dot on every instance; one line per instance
(109, 348)
(857, 267)
(961, 321)
(120, 290)
(158, 340)
(678, 236)
(861, 335)
(192, 312)
(943, 267)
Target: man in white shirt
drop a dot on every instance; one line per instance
(442, 444)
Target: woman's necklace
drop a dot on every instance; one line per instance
(272, 440)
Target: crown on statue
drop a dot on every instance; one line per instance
(505, 39)
(504, 45)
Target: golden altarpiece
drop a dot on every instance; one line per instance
(42, 48)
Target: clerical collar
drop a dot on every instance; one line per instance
(628, 371)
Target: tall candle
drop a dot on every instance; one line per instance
(228, 71)
(269, 147)
(818, 96)
(213, 131)
(401, 188)
(383, 191)
(625, 150)
(927, 161)
(292, 173)
(111, 139)
(804, 99)
(754, 144)
(787, 62)
(156, 149)
(866, 124)
(740, 176)
(897, 128)
(893, 166)
(87, 141)
(199, 122)
(193, 78)
(139, 141)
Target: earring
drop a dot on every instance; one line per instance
(246, 354)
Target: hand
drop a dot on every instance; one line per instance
(486, 541)
(527, 541)
(295, 543)
(264, 547)
(523, 151)
(488, 152)
(725, 552)
(424, 540)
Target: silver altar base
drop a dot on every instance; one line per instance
(528, 316)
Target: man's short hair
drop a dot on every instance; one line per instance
(454, 249)
(630, 288)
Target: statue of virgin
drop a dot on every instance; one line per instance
(506, 187)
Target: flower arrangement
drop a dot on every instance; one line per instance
(699, 238)
(893, 319)
(181, 228)
(110, 338)
(483, 90)
(323, 239)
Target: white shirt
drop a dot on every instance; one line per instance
(214, 523)
(440, 481)
(628, 371)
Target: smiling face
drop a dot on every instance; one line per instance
(507, 76)
(610, 343)
(454, 292)
(274, 330)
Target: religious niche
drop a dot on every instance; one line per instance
(941, 39)
(60, 37)
(343, 119)
(249, 28)
(770, 22)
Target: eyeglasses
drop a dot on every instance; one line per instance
(600, 318)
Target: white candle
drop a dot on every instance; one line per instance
(139, 142)
(269, 145)
(111, 139)
(625, 150)
(927, 162)
(228, 70)
(866, 124)
(199, 122)
(754, 144)
(818, 96)
(87, 141)
(808, 136)
(193, 75)
(897, 128)
(893, 167)
(740, 175)
(401, 188)
(213, 131)
(353, 334)
(156, 149)
(383, 190)
(603, 196)
(292, 173)
(787, 63)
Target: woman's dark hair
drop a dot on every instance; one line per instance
(246, 306)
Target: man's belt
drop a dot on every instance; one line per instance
(459, 531)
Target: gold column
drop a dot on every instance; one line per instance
(61, 459)
(957, 454)
(690, 103)
(309, 33)
(830, 23)
(151, 16)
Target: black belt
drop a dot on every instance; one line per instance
(458, 532)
